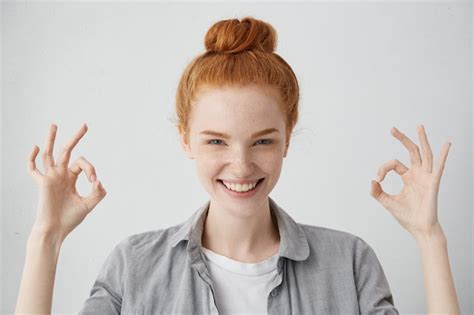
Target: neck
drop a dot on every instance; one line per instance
(247, 238)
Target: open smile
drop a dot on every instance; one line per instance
(241, 194)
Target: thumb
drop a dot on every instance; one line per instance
(97, 194)
(377, 192)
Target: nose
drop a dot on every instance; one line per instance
(242, 163)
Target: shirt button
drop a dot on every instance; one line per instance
(274, 293)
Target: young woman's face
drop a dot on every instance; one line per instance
(224, 140)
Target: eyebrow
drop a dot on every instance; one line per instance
(223, 135)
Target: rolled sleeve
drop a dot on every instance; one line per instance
(107, 291)
(373, 289)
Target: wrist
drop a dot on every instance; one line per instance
(44, 237)
(435, 235)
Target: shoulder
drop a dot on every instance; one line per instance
(336, 242)
(152, 242)
(316, 234)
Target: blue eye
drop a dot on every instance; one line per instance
(209, 142)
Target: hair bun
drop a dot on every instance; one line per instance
(234, 36)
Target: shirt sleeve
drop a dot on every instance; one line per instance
(373, 289)
(107, 291)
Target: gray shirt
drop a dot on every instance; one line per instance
(320, 271)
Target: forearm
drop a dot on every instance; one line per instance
(37, 283)
(440, 290)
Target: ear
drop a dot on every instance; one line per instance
(286, 149)
(185, 146)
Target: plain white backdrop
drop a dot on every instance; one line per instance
(362, 68)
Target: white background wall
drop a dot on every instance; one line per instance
(362, 68)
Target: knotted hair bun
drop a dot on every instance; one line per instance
(233, 36)
(239, 53)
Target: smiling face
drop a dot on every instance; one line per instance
(237, 134)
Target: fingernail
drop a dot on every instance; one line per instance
(378, 178)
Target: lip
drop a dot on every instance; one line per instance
(240, 195)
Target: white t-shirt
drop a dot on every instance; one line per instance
(241, 288)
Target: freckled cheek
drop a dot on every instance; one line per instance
(210, 157)
(209, 166)
(272, 163)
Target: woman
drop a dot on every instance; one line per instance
(240, 252)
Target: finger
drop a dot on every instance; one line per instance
(81, 164)
(395, 165)
(32, 170)
(427, 159)
(438, 172)
(97, 194)
(48, 160)
(411, 147)
(378, 194)
(66, 154)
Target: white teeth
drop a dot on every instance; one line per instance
(240, 187)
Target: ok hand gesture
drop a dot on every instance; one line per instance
(60, 207)
(416, 206)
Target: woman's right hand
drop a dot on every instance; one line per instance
(60, 207)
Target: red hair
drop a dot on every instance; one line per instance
(239, 53)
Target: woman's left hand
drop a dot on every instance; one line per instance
(416, 206)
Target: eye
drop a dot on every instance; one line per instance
(210, 141)
(269, 141)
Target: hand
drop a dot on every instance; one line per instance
(416, 206)
(60, 207)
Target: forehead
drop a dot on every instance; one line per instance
(228, 106)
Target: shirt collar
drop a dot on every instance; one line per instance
(293, 241)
